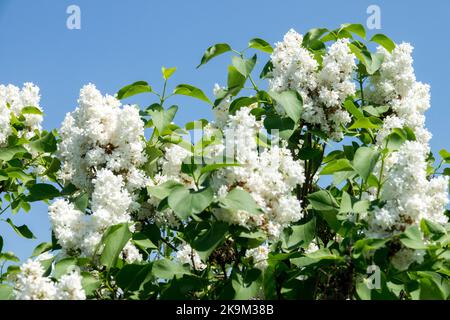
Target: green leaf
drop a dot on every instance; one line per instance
(323, 201)
(312, 37)
(81, 202)
(214, 51)
(321, 255)
(42, 191)
(354, 111)
(167, 73)
(63, 267)
(246, 286)
(364, 161)
(46, 143)
(143, 241)
(163, 190)
(431, 228)
(22, 230)
(284, 125)
(167, 269)
(216, 166)
(207, 241)
(412, 238)
(133, 89)
(6, 292)
(244, 66)
(191, 91)
(8, 256)
(239, 199)
(31, 110)
(260, 44)
(162, 118)
(445, 155)
(430, 289)
(291, 101)
(185, 202)
(236, 80)
(9, 153)
(114, 239)
(133, 276)
(41, 248)
(89, 283)
(355, 28)
(384, 41)
(267, 70)
(364, 123)
(336, 166)
(302, 234)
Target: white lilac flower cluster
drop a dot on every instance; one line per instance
(102, 149)
(408, 193)
(323, 88)
(100, 134)
(259, 256)
(169, 170)
(270, 176)
(12, 102)
(396, 86)
(187, 255)
(31, 284)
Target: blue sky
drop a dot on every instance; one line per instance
(124, 41)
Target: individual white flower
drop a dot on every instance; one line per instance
(259, 256)
(131, 254)
(312, 247)
(187, 255)
(69, 287)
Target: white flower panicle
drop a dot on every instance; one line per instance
(324, 89)
(79, 233)
(102, 134)
(102, 149)
(409, 194)
(12, 102)
(259, 256)
(269, 176)
(396, 86)
(31, 284)
(187, 255)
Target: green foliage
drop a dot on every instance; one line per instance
(326, 254)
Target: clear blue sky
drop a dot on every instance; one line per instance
(124, 41)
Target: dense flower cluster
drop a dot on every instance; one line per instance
(323, 89)
(270, 176)
(100, 134)
(12, 102)
(409, 194)
(396, 86)
(102, 148)
(31, 284)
